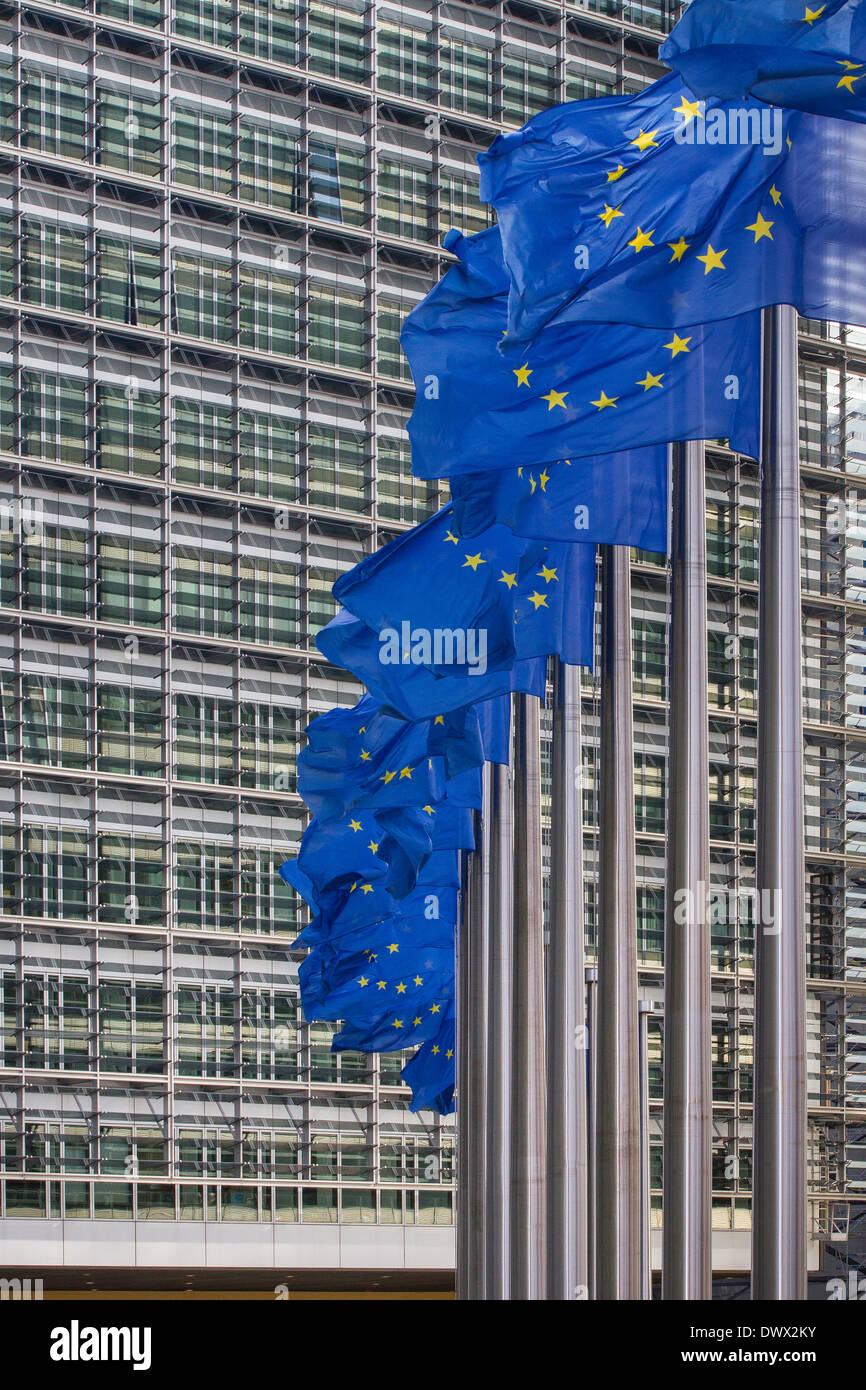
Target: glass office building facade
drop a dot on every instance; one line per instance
(213, 219)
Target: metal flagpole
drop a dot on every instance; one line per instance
(472, 1062)
(499, 1013)
(528, 1055)
(779, 1169)
(592, 1122)
(644, 1009)
(567, 1271)
(687, 1176)
(617, 1164)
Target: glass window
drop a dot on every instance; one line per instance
(54, 114)
(129, 428)
(406, 62)
(112, 1201)
(203, 297)
(268, 310)
(129, 132)
(203, 149)
(320, 1205)
(336, 42)
(269, 31)
(53, 417)
(336, 183)
(269, 166)
(53, 269)
(338, 332)
(406, 201)
(129, 285)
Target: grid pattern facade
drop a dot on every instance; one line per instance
(213, 219)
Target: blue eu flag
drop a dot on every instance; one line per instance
(451, 605)
(431, 1071)
(615, 499)
(366, 986)
(413, 690)
(393, 1029)
(809, 57)
(576, 391)
(662, 209)
(368, 757)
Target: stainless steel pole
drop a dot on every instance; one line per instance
(567, 1269)
(592, 1120)
(687, 1123)
(499, 1015)
(645, 1008)
(468, 876)
(617, 1165)
(528, 1057)
(472, 1061)
(779, 1170)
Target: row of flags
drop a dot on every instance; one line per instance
(613, 309)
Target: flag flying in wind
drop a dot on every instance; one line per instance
(414, 691)
(368, 757)
(449, 605)
(431, 1073)
(578, 391)
(662, 209)
(576, 500)
(809, 57)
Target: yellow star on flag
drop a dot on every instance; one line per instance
(365, 756)
(679, 249)
(354, 825)
(440, 719)
(811, 15)
(373, 847)
(393, 948)
(543, 480)
(649, 381)
(555, 398)
(431, 810)
(609, 214)
(435, 1049)
(645, 139)
(388, 776)
(381, 985)
(547, 574)
(406, 772)
(678, 345)
(401, 988)
(450, 536)
(366, 888)
(398, 1023)
(617, 173)
(848, 81)
(537, 600)
(416, 1021)
(509, 580)
(688, 109)
(642, 239)
(761, 227)
(418, 980)
(604, 401)
(532, 485)
(713, 259)
(363, 982)
(523, 374)
(434, 1008)
(775, 195)
(472, 562)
